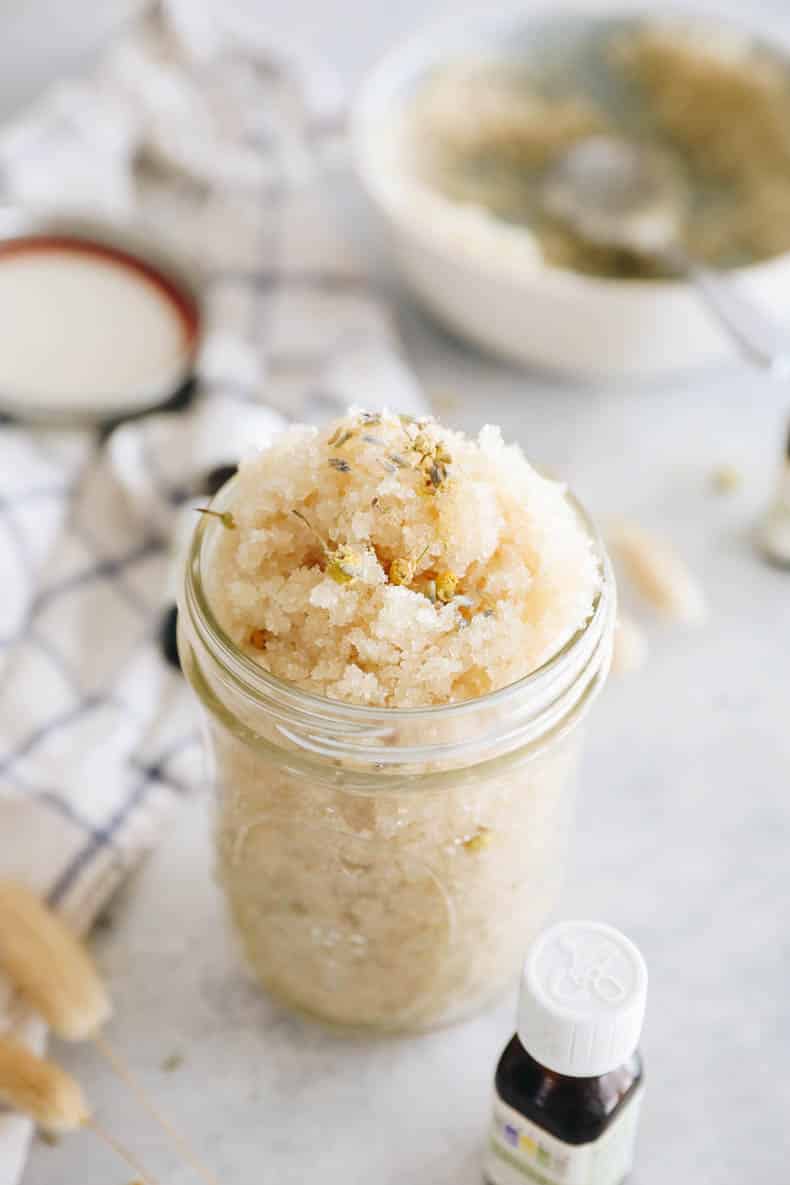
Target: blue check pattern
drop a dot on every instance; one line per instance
(97, 732)
(89, 760)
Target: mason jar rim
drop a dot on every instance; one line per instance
(538, 701)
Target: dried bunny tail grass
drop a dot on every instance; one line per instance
(142, 1175)
(48, 966)
(630, 646)
(53, 1099)
(40, 1089)
(175, 1137)
(53, 972)
(657, 572)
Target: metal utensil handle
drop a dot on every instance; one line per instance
(759, 338)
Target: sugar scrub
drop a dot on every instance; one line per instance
(478, 134)
(460, 568)
(395, 630)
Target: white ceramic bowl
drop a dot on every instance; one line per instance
(487, 281)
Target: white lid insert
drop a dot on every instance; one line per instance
(583, 998)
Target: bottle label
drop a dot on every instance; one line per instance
(519, 1151)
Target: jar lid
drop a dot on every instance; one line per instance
(582, 1000)
(95, 322)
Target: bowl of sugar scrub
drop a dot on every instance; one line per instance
(395, 633)
(95, 322)
(454, 133)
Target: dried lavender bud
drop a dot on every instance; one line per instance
(340, 437)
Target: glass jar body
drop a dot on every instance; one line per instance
(385, 898)
(387, 869)
(396, 905)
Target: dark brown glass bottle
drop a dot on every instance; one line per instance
(575, 1110)
(569, 1084)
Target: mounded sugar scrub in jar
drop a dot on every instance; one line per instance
(395, 631)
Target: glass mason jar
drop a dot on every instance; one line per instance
(387, 868)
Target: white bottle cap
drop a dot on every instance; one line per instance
(583, 998)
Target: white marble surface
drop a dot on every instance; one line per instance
(682, 840)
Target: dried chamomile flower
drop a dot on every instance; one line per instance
(433, 460)
(407, 423)
(225, 516)
(446, 584)
(423, 445)
(403, 569)
(342, 562)
(480, 841)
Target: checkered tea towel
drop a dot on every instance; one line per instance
(215, 150)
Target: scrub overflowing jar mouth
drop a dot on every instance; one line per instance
(550, 697)
(383, 867)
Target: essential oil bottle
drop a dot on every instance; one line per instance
(569, 1085)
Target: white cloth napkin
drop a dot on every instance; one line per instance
(218, 149)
